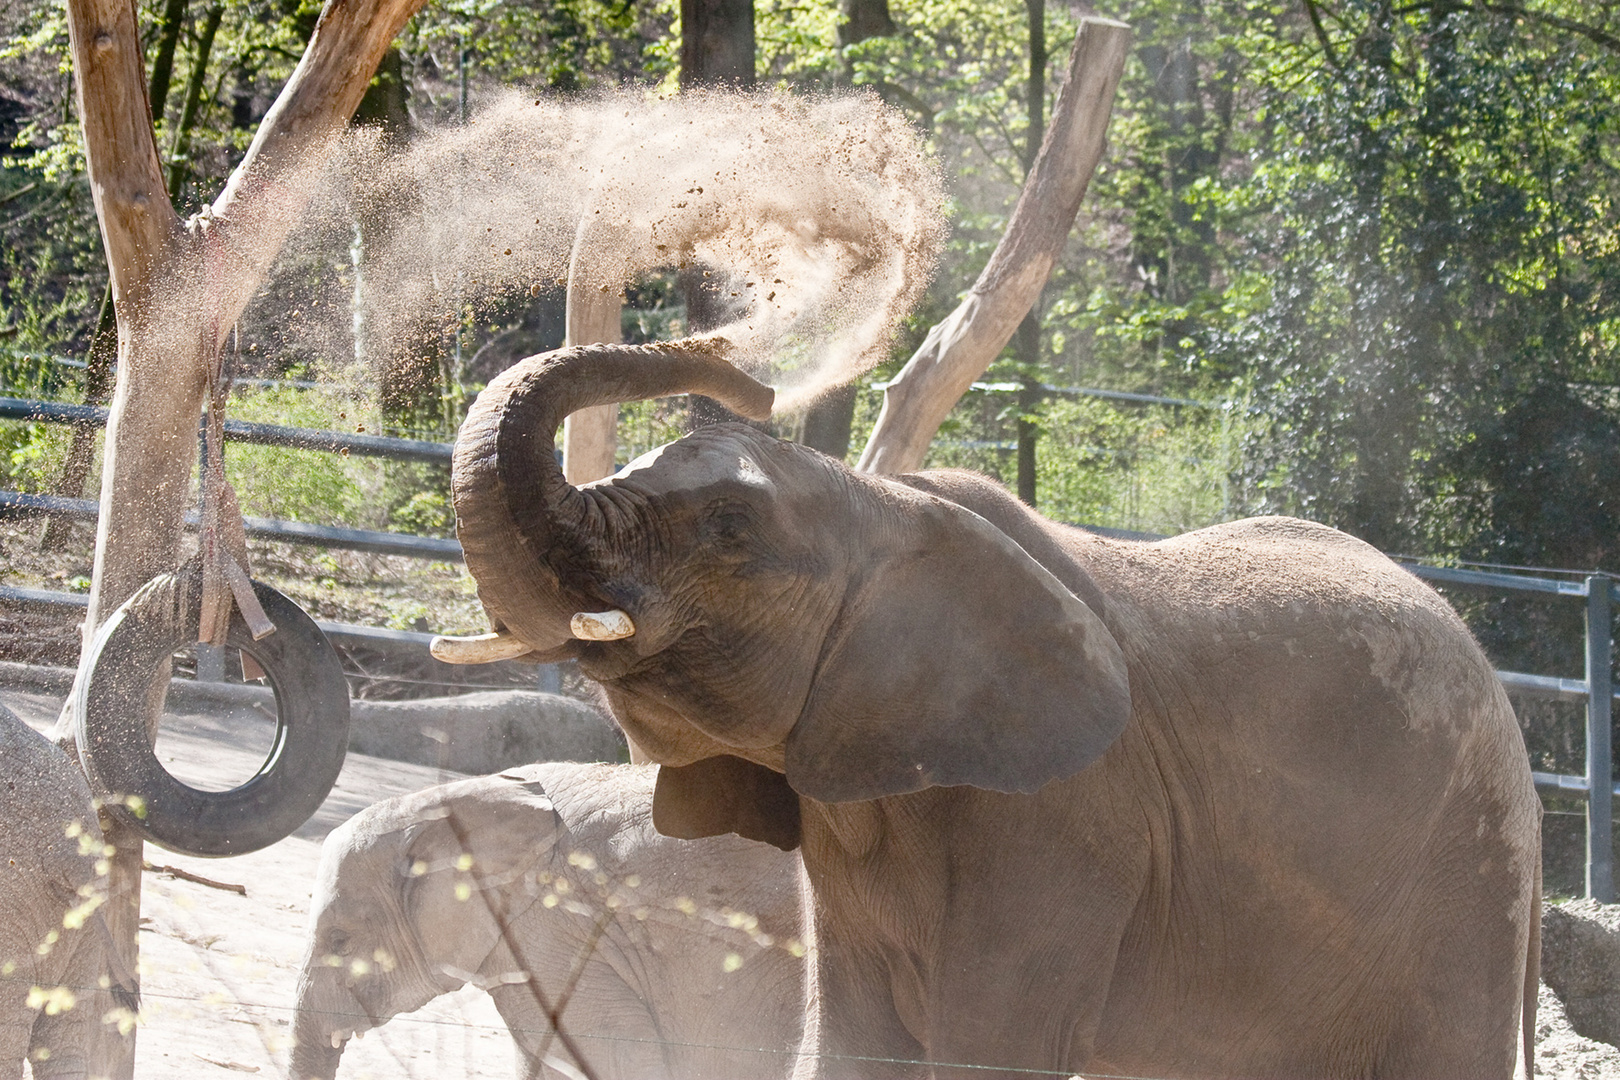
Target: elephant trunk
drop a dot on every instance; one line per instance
(521, 524)
(313, 1055)
(321, 1029)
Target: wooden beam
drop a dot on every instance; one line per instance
(590, 436)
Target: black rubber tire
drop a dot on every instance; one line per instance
(312, 724)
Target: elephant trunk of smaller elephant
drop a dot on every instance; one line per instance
(315, 1029)
(314, 1061)
(519, 520)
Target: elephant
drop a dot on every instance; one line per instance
(53, 943)
(677, 960)
(1245, 802)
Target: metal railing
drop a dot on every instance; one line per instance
(18, 504)
(1596, 787)
(337, 442)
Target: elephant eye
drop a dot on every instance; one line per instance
(729, 522)
(338, 941)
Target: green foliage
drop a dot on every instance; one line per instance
(1152, 469)
(31, 455)
(1436, 227)
(306, 485)
(566, 45)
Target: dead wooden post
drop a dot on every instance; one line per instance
(168, 337)
(590, 436)
(959, 348)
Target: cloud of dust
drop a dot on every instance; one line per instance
(819, 219)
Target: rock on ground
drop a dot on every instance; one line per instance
(1564, 1055)
(1580, 961)
(218, 968)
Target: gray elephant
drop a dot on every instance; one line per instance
(677, 960)
(1248, 802)
(52, 941)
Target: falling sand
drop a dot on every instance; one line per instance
(817, 219)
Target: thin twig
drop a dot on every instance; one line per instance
(19, 193)
(553, 1015)
(187, 875)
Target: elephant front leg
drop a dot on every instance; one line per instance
(852, 1030)
(1019, 989)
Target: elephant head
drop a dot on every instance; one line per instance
(765, 622)
(406, 902)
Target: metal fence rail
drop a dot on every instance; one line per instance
(15, 504)
(338, 442)
(343, 633)
(1597, 786)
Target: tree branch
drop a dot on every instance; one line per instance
(1321, 34)
(1558, 22)
(958, 349)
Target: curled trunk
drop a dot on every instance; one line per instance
(526, 532)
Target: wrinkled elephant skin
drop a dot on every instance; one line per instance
(51, 936)
(1248, 802)
(675, 960)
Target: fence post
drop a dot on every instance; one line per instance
(1599, 759)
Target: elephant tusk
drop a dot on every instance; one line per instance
(601, 625)
(483, 649)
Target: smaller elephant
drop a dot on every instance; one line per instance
(674, 960)
(53, 944)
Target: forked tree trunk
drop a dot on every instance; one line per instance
(166, 349)
(958, 349)
(103, 350)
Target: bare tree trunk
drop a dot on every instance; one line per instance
(167, 342)
(828, 419)
(174, 14)
(863, 20)
(178, 163)
(590, 436)
(717, 43)
(717, 49)
(1029, 396)
(1029, 331)
(103, 351)
(958, 349)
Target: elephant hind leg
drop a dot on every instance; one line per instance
(1461, 1014)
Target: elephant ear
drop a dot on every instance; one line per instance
(957, 659)
(464, 862)
(726, 795)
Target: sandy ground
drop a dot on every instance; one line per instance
(218, 968)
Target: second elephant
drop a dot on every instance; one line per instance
(685, 952)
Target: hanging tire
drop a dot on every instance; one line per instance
(109, 714)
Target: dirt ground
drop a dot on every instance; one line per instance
(218, 967)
